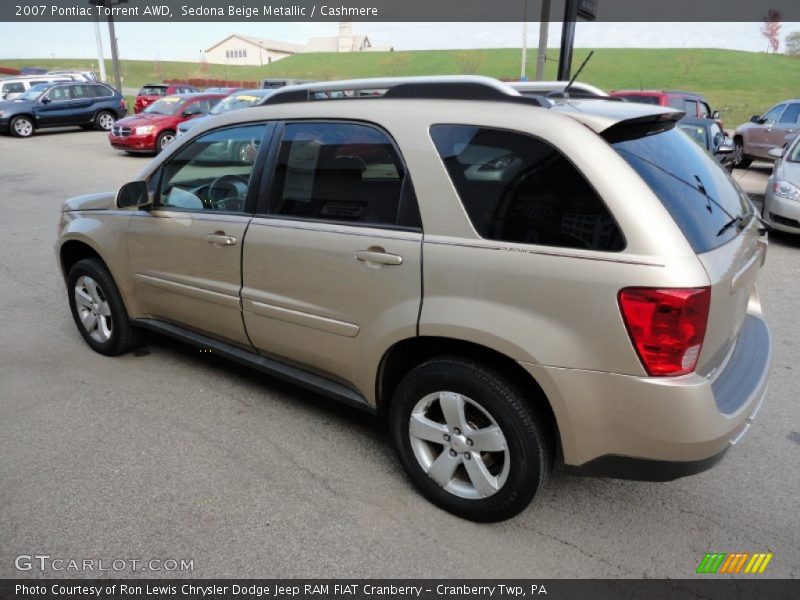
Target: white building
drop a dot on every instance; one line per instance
(239, 49)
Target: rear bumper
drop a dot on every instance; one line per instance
(658, 429)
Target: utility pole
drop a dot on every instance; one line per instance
(523, 66)
(101, 61)
(544, 26)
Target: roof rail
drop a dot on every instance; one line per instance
(449, 87)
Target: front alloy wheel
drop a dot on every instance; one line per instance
(22, 127)
(93, 310)
(98, 309)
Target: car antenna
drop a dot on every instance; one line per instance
(574, 77)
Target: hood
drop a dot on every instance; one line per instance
(101, 201)
(18, 103)
(746, 126)
(141, 119)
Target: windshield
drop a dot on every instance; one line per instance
(235, 102)
(696, 190)
(166, 106)
(34, 92)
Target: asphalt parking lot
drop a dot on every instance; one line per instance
(169, 453)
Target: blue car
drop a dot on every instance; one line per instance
(237, 100)
(88, 105)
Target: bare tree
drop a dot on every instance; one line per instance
(771, 30)
(793, 44)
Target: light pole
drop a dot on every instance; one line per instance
(544, 24)
(112, 37)
(260, 54)
(523, 62)
(100, 58)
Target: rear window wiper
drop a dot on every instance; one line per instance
(738, 220)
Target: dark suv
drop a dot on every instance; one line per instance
(88, 105)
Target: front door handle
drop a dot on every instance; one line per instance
(378, 256)
(220, 238)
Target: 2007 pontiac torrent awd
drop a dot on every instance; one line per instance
(515, 283)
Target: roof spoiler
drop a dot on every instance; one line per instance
(637, 127)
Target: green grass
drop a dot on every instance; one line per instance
(737, 83)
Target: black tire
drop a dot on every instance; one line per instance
(528, 442)
(104, 120)
(741, 160)
(123, 336)
(21, 126)
(164, 139)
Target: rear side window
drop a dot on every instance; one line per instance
(153, 90)
(102, 91)
(517, 188)
(81, 91)
(342, 172)
(691, 107)
(696, 190)
(641, 99)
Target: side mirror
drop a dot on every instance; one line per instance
(191, 112)
(45, 100)
(133, 194)
(715, 115)
(776, 152)
(725, 147)
(756, 119)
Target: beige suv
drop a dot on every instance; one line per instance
(513, 283)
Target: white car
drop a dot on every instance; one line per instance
(11, 87)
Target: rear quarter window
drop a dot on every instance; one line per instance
(518, 188)
(694, 188)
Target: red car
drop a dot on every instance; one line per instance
(154, 128)
(693, 105)
(151, 92)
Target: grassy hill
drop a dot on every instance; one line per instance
(737, 83)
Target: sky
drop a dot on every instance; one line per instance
(185, 42)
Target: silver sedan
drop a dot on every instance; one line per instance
(782, 199)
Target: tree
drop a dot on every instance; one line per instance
(771, 29)
(793, 44)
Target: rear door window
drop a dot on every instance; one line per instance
(690, 106)
(518, 188)
(697, 192)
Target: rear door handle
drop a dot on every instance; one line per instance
(220, 238)
(378, 256)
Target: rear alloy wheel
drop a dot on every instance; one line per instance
(98, 310)
(740, 159)
(104, 120)
(469, 440)
(21, 127)
(164, 140)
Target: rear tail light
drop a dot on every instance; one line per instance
(666, 326)
(123, 104)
